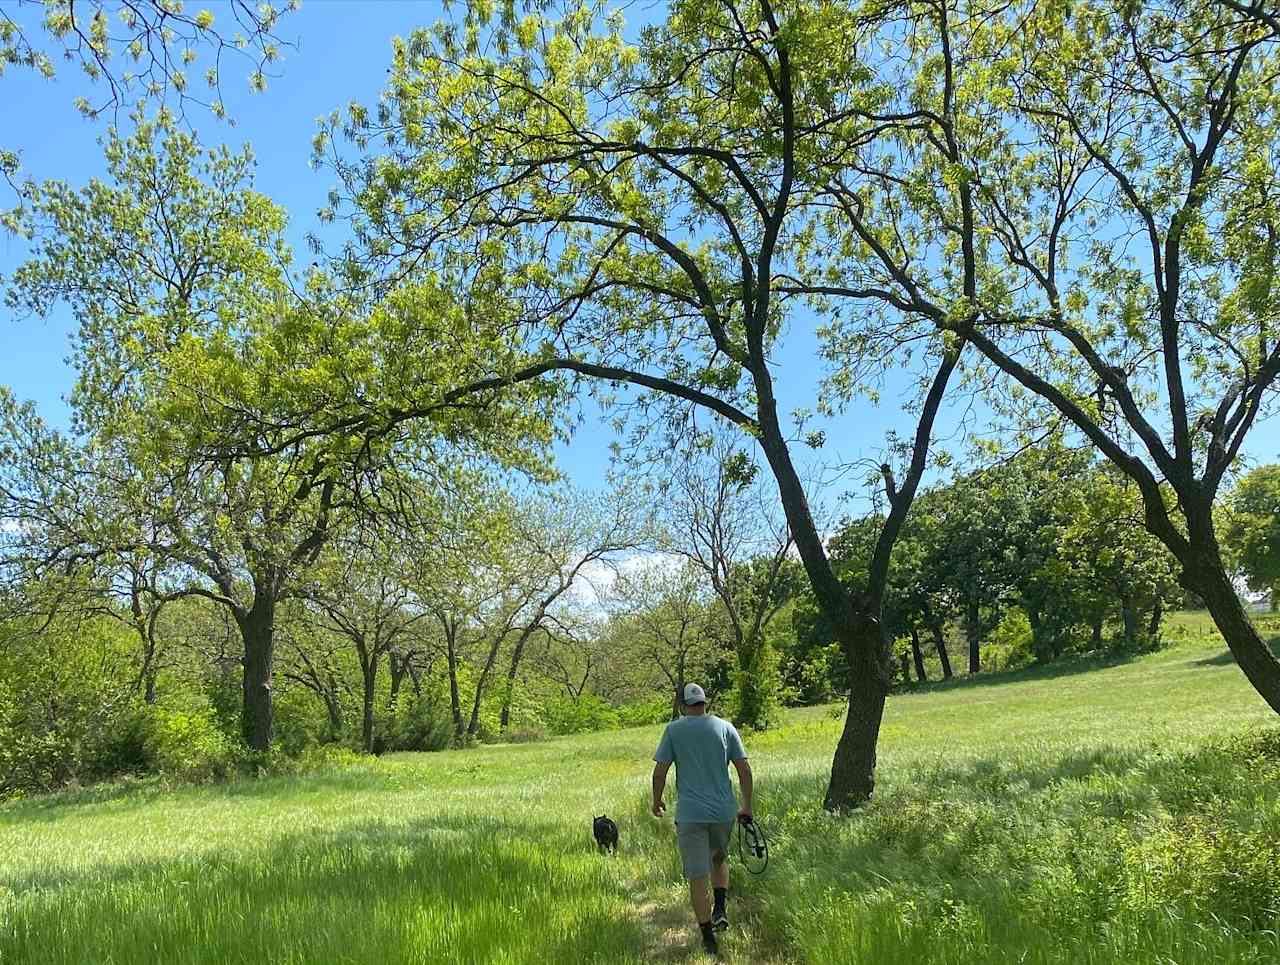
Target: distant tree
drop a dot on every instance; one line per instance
(727, 528)
(1254, 530)
(667, 616)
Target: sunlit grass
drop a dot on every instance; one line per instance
(1079, 814)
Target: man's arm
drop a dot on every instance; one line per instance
(660, 769)
(745, 783)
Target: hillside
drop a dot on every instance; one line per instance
(1092, 813)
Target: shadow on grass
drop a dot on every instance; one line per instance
(449, 889)
(1226, 658)
(1042, 857)
(132, 794)
(1062, 667)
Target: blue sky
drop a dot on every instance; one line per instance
(343, 50)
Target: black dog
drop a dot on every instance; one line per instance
(605, 831)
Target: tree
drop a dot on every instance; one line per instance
(193, 344)
(727, 528)
(642, 205)
(1254, 530)
(668, 616)
(360, 593)
(562, 539)
(1106, 173)
(142, 48)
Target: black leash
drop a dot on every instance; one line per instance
(753, 846)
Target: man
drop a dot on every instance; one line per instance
(702, 746)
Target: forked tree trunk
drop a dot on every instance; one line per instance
(257, 628)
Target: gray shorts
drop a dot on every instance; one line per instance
(700, 842)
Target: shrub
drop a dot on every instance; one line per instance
(419, 724)
(1010, 644)
(186, 743)
(568, 715)
(653, 710)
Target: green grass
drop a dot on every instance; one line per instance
(1083, 813)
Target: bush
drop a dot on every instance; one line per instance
(1010, 644)
(187, 743)
(568, 715)
(419, 724)
(654, 710)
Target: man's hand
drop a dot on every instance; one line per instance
(659, 809)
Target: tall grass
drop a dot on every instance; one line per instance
(1086, 813)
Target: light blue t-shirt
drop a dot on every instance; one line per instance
(702, 747)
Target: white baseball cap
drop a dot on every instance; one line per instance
(693, 694)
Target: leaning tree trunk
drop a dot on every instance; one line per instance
(257, 628)
(853, 771)
(509, 693)
(1204, 575)
(917, 655)
(940, 644)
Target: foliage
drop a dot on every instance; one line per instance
(1253, 531)
(147, 49)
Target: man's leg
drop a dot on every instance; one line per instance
(720, 888)
(695, 855)
(700, 898)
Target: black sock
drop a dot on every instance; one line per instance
(706, 927)
(721, 894)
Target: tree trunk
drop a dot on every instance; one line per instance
(973, 630)
(370, 676)
(853, 771)
(1096, 630)
(455, 699)
(399, 667)
(752, 710)
(334, 706)
(257, 628)
(1130, 617)
(482, 681)
(1157, 617)
(917, 655)
(507, 695)
(940, 644)
(1207, 578)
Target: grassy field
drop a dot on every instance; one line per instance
(1092, 813)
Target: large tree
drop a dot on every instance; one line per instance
(195, 350)
(1087, 192)
(645, 207)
